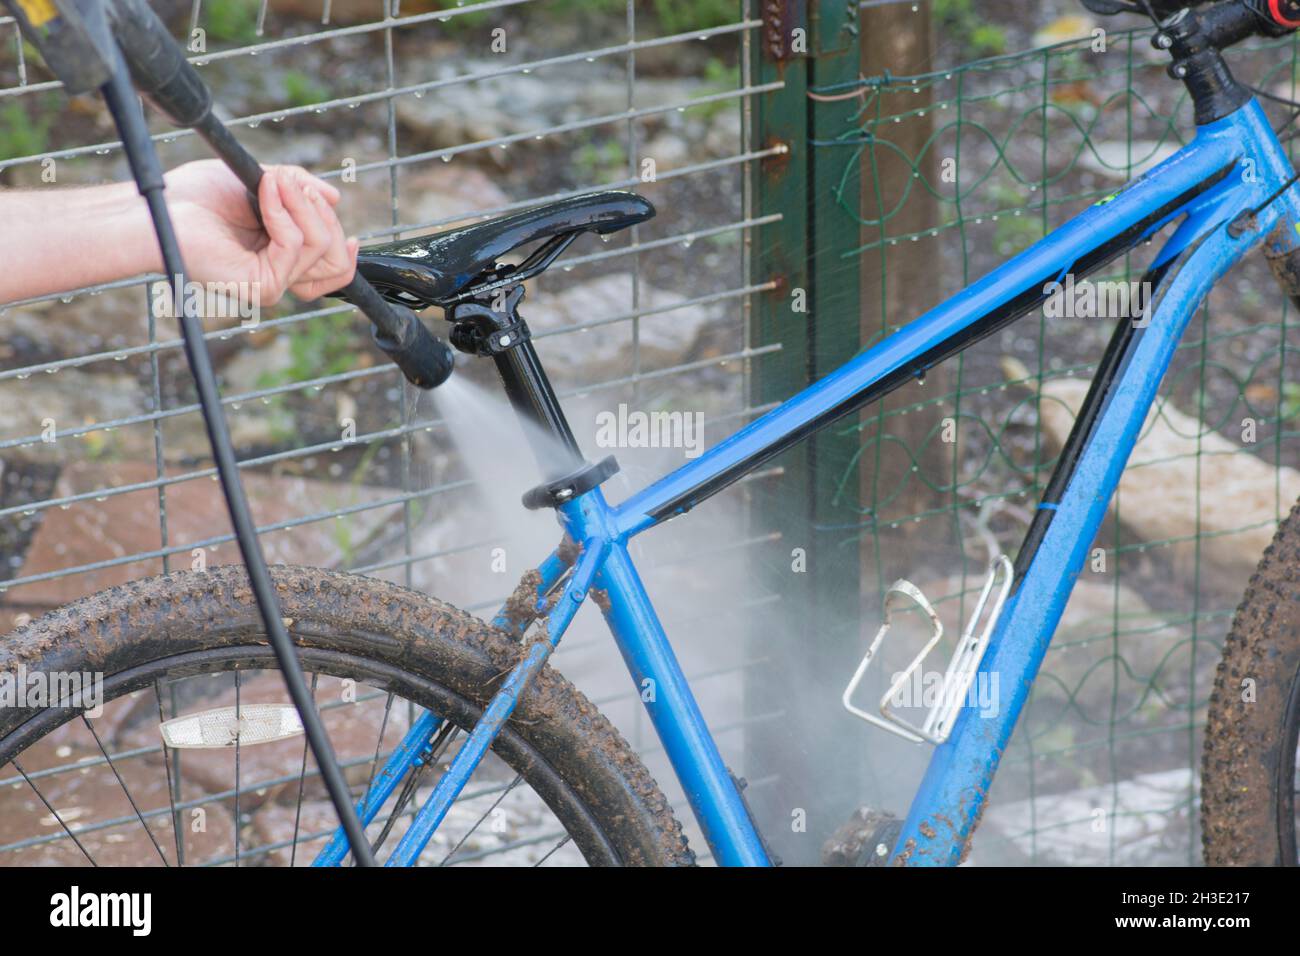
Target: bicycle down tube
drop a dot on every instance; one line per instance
(1233, 166)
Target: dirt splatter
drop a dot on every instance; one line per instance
(521, 607)
(568, 551)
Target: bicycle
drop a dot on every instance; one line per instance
(1231, 188)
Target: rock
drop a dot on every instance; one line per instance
(525, 103)
(1076, 672)
(1187, 484)
(448, 192)
(128, 523)
(666, 338)
(1064, 29)
(53, 329)
(1147, 822)
(86, 797)
(668, 150)
(724, 135)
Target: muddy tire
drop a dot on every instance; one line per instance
(396, 640)
(1248, 762)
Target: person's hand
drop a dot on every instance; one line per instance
(302, 250)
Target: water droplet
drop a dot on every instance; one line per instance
(446, 159)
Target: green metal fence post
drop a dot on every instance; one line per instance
(812, 311)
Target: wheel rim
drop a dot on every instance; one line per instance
(59, 768)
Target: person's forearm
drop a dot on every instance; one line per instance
(53, 240)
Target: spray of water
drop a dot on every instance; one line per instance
(700, 572)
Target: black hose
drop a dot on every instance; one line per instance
(122, 102)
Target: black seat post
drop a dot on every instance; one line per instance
(533, 398)
(489, 324)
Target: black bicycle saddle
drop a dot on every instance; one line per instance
(434, 270)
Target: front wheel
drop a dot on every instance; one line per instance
(560, 785)
(1248, 764)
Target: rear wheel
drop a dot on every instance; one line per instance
(560, 786)
(1248, 769)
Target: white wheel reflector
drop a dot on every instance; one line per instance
(256, 724)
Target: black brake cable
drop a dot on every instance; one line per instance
(123, 103)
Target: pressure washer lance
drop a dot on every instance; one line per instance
(77, 43)
(161, 72)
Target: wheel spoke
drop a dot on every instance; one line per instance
(238, 736)
(383, 726)
(55, 814)
(172, 781)
(447, 732)
(495, 803)
(125, 790)
(549, 853)
(302, 782)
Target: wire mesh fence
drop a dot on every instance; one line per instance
(431, 114)
(424, 115)
(949, 171)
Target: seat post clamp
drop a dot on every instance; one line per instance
(554, 493)
(480, 329)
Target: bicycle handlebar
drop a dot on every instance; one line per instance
(161, 72)
(1281, 16)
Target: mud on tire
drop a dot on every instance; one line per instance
(565, 747)
(1248, 760)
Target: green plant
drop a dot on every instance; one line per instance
(301, 89)
(1290, 400)
(464, 21)
(1017, 229)
(718, 77)
(231, 21)
(597, 160)
(20, 134)
(959, 18)
(678, 17)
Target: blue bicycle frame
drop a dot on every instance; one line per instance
(1228, 189)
